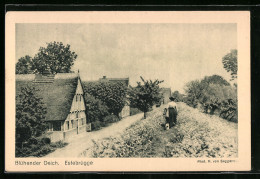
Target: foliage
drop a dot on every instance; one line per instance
(228, 110)
(96, 110)
(98, 113)
(38, 147)
(24, 65)
(30, 112)
(145, 95)
(230, 63)
(211, 95)
(134, 111)
(137, 142)
(110, 119)
(194, 91)
(215, 79)
(178, 96)
(112, 94)
(56, 56)
(96, 125)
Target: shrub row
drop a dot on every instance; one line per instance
(213, 95)
(37, 147)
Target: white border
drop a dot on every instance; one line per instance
(241, 18)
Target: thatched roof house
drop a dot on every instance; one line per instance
(64, 99)
(122, 80)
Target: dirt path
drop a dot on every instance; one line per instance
(84, 140)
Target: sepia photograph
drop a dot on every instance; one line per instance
(128, 91)
(131, 90)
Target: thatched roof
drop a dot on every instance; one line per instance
(57, 96)
(122, 80)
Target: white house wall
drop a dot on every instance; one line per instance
(78, 100)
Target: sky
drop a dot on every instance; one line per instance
(175, 53)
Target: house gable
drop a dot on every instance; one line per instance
(78, 99)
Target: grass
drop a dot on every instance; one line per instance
(195, 135)
(40, 150)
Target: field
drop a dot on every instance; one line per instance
(195, 135)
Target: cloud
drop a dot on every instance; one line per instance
(176, 53)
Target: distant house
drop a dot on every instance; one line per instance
(122, 80)
(63, 96)
(166, 92)
(126, 110)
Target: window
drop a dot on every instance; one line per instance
(79, 98)
(56, 126)
(68, 125)
(82, 121)
(72, 124)
(77, 115)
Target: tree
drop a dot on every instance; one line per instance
(24, 65)
(230, 63)
(177, 95)
(215, 79)
(145, 95)
(112, 94)
(30, 112)
(194, 91)
(96, 109)
(58, 57)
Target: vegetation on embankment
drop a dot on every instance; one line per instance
(195, 135)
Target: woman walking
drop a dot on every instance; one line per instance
(172, 112)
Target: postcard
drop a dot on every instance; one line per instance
(127, 91)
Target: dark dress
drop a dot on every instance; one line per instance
(172, 116)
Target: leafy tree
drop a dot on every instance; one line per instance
(112, 94)
(194, 90)
(230, 63)
(96, 109)
(145, 95)
(30, 112)
(24, 65)
(215, 79)
(58, 57)
(178, 95)
(213, 94)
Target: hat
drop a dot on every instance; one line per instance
(172, 98)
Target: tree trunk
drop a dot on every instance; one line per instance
(145, 113)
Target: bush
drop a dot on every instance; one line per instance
(211, 95)
(178, 96)
(134, 111)
(96, 125)
(137, 141)
(96, 109)
(98, 113)
(30, 112)
(58, 144)
(46, 140)
(110, 119)
(228, 110)
(112, 94)
(37, 147)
